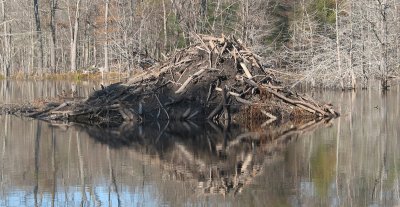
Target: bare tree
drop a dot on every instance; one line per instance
(360, 29)
(338, 44)
(53, 6)
(74, 31)
(38, 34)
(6, 56)
(335, 45)
(106, 65)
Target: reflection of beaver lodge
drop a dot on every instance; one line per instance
(215, 79)
(216, 159)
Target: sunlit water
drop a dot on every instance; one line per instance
(354, 162)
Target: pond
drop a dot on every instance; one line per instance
(351, 161)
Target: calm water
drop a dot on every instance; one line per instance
(353, 161)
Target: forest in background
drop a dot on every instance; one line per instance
(330, 43)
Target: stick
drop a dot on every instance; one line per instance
(230, 92)
(225, 106)
(251, 82)
(246, 71)
(297, 103)
(223, 49)
(216, 111)
(166, 112)
(193, 115)
(186, 113)
(210, 91)
(182, 88)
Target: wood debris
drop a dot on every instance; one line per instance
(215, 79)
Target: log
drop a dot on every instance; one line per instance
(182, 88)
(305, 105)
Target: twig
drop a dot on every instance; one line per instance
(271, 117)
(210, 91)
(162, 132)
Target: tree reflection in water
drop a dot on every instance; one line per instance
(353, 162)
(208, 157)
(220, 161)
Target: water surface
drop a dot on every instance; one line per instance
(352, 162)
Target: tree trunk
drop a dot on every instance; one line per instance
(95, 52)
(215, 15)
(165, 25)
(73, 55)
(245, 20)
(74, 37)
(352, 75)
(106, 64)
(6, 60)
(384, 47)
(38, 35)
(364, 37)
(32, 52)
(203, 14)
(53, 6)
(338, 45)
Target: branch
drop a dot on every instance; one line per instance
(373, 29)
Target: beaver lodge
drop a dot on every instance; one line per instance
(216, 79)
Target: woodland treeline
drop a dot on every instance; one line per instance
(334, 43)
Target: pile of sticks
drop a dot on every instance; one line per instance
(214, 79)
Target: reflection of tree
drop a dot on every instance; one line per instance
(81, 170)
(323, 163)
(113, 180)
(168, 158)
(3, 149)
(53, 163)
(37, 153)
(219, 159)
(383, 145)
